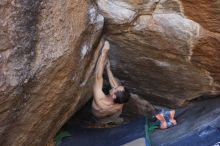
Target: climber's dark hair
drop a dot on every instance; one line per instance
(122, 96)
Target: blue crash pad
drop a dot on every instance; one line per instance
(116, 136)
(205, 137)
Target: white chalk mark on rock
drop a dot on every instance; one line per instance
(84, 51)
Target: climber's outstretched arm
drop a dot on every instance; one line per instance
(112, 80)
(99, 71)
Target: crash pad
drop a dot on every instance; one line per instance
(129, 134)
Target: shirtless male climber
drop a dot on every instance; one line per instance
(107, 108)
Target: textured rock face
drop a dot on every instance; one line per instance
(206, 13)
(47, 55)
(165, 50)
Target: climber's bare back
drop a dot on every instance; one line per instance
(105, 107)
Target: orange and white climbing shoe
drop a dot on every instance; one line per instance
(166, 119)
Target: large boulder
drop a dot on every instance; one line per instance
(47, 56)
(165, 50)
